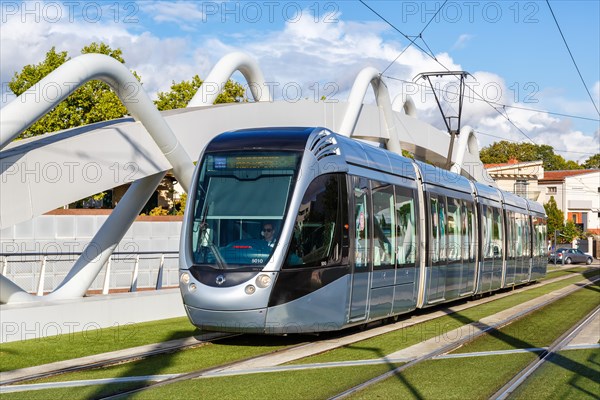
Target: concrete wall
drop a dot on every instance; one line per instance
(72, 233)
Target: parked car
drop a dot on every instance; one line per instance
(569, 256)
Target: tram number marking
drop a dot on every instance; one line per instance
(258, 261)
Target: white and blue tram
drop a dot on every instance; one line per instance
(361, 234)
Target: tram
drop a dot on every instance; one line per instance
(292, 230)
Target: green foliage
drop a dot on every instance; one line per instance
(180, 205)
(181, 93)
(408, 154)
(501, 152)
(93, 102)
(570, 231)
(158, 211)
(593, 162)
(555, 217)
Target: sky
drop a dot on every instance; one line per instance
(523, 85)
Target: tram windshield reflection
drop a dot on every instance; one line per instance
(238, 194)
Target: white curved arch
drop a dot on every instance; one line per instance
(215, 82)
(23, 111)
(365, 77)
(405, 103)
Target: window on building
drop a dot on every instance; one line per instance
(520, 188)
(551, 189)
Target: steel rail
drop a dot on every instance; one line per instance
(115, 360)
(452, 346)
(554, 348)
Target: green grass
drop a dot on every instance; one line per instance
(210, 355)
(85, 392)
(383, 345)
(571, 374)
(540, 328)
(27, 353)
(463, 378)
(555, 273)
(309, 384)
(290, 385)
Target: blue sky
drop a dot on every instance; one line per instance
(513, 49)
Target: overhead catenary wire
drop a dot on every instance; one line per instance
(446, 68)
(499, 104)
(412, 41)
(572, 58)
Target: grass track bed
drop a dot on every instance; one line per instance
(388, 343)
(540, 328)
(571, 374)
(207, 356)
(291, 385)
(465, 378)
(34, 352)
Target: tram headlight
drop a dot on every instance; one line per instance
(192, 287)
(185, 278)
(263, 281)
(250, 289)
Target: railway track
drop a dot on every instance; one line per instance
(480, 330)
(286, 354)
(554, 348)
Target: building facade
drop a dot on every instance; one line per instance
(577, 194)
(518, 177)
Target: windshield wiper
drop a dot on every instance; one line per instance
(205, 238)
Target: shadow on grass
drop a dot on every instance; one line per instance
(518, 343)
(156, 365)
(140, 368)
(391, 367)
(579, 372)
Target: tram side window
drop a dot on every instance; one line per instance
(437, 228)
(526, 236)
(318, 238)
(519, 237)
(454, 230)
(486, 227)
(510, 234)
(497, 234)
(361, 222)
(468, 231)
(383, 224)
(406, 245)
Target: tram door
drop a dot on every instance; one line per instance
(360, 261)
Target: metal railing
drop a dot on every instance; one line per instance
(41, 273)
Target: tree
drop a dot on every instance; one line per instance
(501, 152)
(570, 231)
(593, 162)
(93, 102)
(181, 93)
(555, 217)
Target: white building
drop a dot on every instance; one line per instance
(577, 194)
(519, 177)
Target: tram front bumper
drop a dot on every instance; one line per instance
(247, 321)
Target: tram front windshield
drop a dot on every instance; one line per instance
(239, 206)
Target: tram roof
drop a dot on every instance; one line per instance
(514, 200)
(443, 178)
(369, 155)
(536, 207)
(488, 192)
(283, 138)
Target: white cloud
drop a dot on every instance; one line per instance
(462, 41)
(306, 53)
(174, 11)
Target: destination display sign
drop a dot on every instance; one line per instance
(263, 161)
